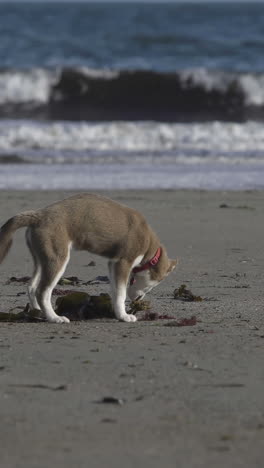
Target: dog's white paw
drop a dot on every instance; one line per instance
(128, 318)
(59, 319)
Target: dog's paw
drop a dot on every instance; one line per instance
(59, 319)
(128, 318)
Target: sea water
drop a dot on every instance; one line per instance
(114, 96)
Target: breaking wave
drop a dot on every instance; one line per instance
(103, 95)
(60, 142)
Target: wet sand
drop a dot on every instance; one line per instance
(189, 396)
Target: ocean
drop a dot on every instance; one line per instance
(131, 96)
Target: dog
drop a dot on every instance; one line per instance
(137, 262)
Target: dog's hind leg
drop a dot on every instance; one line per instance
(52, 268)
(33, 284)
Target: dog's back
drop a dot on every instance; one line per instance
(97, 224)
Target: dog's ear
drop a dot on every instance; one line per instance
(172, 265)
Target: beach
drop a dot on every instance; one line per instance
(180, 396)
(160, 107)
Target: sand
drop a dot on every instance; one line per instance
(189, 396)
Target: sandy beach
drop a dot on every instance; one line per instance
(188, 396)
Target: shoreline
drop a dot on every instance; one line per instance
(192, 395)
(214, 178)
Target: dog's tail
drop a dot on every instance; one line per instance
(27, 218)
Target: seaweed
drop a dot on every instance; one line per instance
(111, 400)
(99, 307)
(152, 316)
(61, 292)
(238, 207)
(69, 281)
(26, 315)
(79, 305)
(14, 279)
(137, 306)
(40, 386)
(72, 305)
(82, 306)
(76, 305)
(183, 294)
(98, 280)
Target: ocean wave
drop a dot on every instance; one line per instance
(88, 94)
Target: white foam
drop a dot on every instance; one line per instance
(252, 85)
(116, 141)
(24, 86)
(34, 85)
(209, 79)
(105, 73)
(65, 155)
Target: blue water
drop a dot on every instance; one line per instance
(138, 36)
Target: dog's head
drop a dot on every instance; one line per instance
(144, 281)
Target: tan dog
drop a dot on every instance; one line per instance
(101, 226)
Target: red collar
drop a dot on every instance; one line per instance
(151, 263)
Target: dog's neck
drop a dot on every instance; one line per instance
(150, 263)
(145, 266)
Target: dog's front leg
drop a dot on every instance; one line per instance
(119, 274)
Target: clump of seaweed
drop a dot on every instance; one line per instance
(150, 316)
(81, 306)
(76, 305)
(14, 279)
(25, 315)
(69, 281)
(137, 306)
(183, 294)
